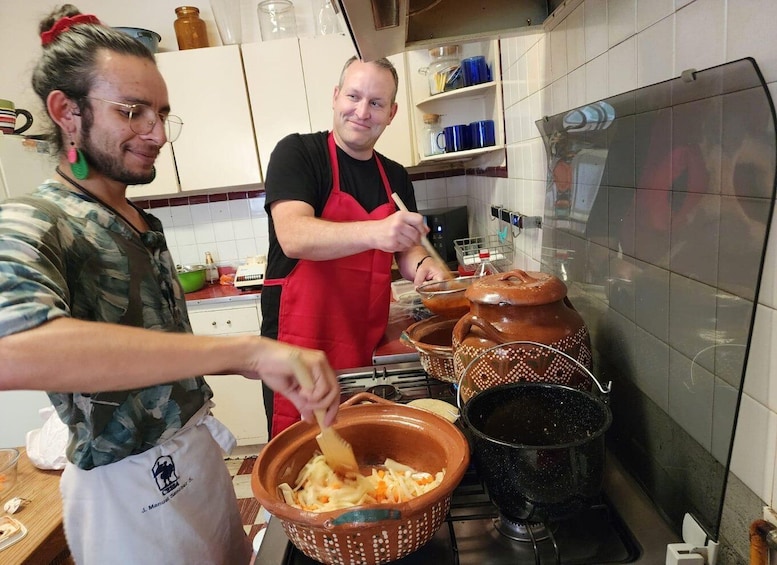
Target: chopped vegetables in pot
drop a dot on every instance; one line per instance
(319, 489)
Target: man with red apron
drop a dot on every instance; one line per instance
(340, 325)
(335, 295)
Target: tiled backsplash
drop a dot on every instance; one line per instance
(233, 226)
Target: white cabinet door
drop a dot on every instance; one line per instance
(322, 62)
(207, 90)
(276, 88)
(238, 401)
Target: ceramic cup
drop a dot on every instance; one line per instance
(8, 115)
(456, 138)
(475, 70)
(482, 134)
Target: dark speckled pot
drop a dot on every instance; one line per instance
(539, 448)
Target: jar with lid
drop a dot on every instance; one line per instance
(444, 70)
(189, 28)
(276, 19)
(433, 137)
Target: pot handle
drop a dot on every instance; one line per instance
(364, 517)
(366, 397)
(465, 323)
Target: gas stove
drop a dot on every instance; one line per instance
(622, 526)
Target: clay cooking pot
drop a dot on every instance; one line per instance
(522, 306)
(375, 533)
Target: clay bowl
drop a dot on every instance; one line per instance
(376, 533)
(446, 298)
(433, 339)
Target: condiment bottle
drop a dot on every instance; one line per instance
(211, 271)
(433, 138)
(189, 28)
(486, 267)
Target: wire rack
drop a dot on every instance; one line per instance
(468, 251)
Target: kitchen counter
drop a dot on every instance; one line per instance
(42, 516)
(389, 350)
(219, 293)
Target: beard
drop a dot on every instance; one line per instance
(108, 164)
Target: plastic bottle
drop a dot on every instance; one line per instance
(486, 267)
(211, 271)
(189, 28)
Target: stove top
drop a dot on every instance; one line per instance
(472, 531)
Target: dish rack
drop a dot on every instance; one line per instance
(468, 251)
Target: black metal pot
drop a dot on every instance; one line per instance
(539, 447)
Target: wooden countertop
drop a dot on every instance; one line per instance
(42, 516)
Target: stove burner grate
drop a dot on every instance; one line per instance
(387, 391)
(521, 531)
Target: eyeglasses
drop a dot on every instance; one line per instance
(142, 118)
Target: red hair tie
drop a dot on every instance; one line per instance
(64, 24)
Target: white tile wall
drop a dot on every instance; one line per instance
(232, 230)
(628, 44)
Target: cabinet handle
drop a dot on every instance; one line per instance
(229, 322)
(213, 324)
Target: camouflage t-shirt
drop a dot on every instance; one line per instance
(62, 254)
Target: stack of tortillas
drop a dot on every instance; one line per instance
(439, 407)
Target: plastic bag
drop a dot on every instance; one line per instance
(46, 446)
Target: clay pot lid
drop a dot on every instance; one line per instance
(517, 288)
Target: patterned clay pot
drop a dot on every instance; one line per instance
(521, 306)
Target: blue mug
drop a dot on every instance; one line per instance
(482, 134)
(475, 70)
(457, 138)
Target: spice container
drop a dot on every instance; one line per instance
(433, 137)
(444, 70)
(189, 28)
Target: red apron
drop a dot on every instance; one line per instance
(340, 306)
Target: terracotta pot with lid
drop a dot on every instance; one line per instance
(522, 306)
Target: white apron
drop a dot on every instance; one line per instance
(172, 504)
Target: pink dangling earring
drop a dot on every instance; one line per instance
(78, 164)
(72, 156)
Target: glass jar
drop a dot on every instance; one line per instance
(444, 70)
(276, 19)
(433, 139)
(189, 28)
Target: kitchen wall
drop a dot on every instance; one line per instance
(234, 226)
(606, 47)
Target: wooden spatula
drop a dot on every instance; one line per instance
(424, 240)
(337, 452)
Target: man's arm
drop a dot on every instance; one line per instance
(303, 236)
(67, 355)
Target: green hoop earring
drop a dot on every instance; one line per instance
(80, 167)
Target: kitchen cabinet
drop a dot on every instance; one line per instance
(238, 400)
(461, 106)
(276, 88)
(291, 83)
(217, 147)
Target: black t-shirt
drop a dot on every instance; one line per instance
(299, 169)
